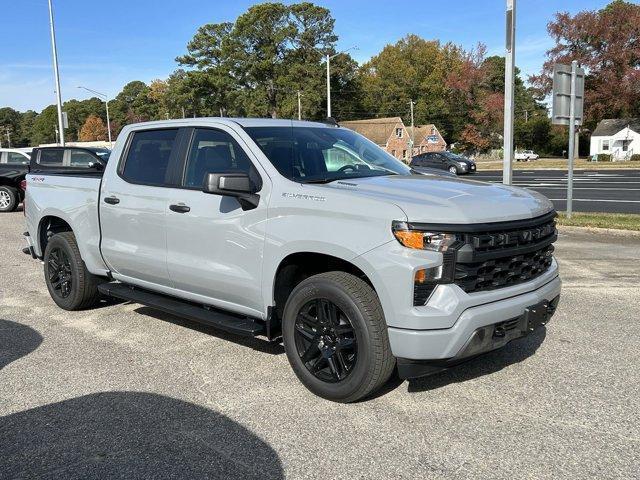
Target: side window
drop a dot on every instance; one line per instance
(214, 151)
(16, 158)
(78, 158)
(51, 158)
(148, 156)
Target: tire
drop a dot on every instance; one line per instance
(9, 198)
(81, 290)
(365, 347)
(453, 170)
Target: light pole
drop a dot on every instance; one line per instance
(509, 68)
(56, 74)
(328, 59)
(106, 103)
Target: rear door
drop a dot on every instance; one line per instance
(133, 208)
(214, 247)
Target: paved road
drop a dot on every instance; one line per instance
(593, 190)
(123, 391)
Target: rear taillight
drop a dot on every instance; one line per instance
(23, 187)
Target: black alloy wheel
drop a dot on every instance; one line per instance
(59, 271)
(325, 340)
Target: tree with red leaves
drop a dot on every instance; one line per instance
(607, 44)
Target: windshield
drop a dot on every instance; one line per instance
(453, 156)
(320, 155)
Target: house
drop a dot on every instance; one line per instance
(427, 138)
(389, 133)
(619, 137)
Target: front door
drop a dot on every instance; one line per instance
(214, 247)
(133, 209)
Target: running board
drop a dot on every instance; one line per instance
(224, 321)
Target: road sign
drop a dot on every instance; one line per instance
(562, 94)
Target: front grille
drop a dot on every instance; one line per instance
(503, 271)
(505, 254)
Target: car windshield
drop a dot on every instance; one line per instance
(453, 156)
(321, 155)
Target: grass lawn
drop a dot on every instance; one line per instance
(622, 221)
(557, 163)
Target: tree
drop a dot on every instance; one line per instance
(77, 113)
(606, 43)
(134, 104)
(256, 65)
(9, 121)
(44, 126)
(93, 129)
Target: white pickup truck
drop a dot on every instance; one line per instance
(296, 230)
(526, 156)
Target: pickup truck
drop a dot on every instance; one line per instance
(14, 165)
(526, 156)
(299, 231)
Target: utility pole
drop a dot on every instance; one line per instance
(183, 115)
(299, 106)
(509, 68)
(413, 139)
(526, 116)
(328, 87)
(56, 74)
(9, 136)
(572, 138)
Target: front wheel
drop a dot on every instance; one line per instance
(453, 170)
(335, 336)
(9, 199)
(70, 284)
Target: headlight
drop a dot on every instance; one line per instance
(462, 164)
(422, 239)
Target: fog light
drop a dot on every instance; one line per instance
(428, 275)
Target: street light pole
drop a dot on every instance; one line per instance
(106, 103)
(328, 60)
(56, 74)
(509, 68)
(299, 106)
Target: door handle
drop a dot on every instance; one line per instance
(111, 200)
(179, 208)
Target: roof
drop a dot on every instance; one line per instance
(423, 131)
(245, 122)
(378, 130)
(611, 126)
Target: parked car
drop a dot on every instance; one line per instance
(14, 165)
(360, 268)
(456, 164)
(526, 156)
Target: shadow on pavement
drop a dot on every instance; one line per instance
(131, 435)
(492, 362)
(258, 344)
(16, 341)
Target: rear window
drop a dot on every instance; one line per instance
(148, 156)
(52, 158)
(15, 158)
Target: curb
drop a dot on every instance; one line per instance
(598, 230)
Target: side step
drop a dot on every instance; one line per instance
(224, 321)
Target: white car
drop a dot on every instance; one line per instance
(526, 156)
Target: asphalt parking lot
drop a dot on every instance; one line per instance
(613, 191)
(123, 391)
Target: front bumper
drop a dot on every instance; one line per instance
(484, 339)
(450, 345)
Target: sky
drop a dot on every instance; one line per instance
(104, 45)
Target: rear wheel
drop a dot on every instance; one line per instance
(9, 199)
(335, 336)
(70, 284)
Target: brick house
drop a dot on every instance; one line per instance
(389, 133)
(427, 138)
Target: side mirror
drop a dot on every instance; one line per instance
(236, 185)
(98, 165)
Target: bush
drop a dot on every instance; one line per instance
(604, 157)
(635, 157)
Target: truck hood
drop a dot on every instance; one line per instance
(433, 199)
